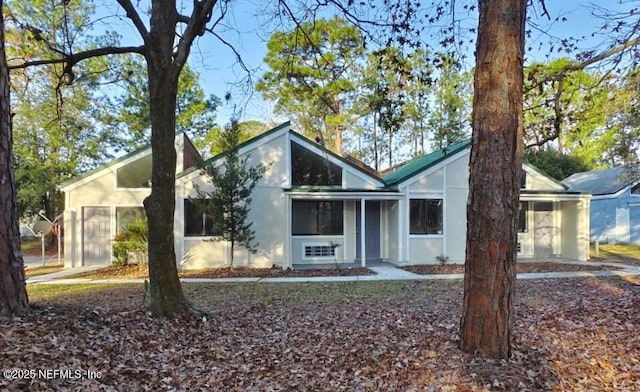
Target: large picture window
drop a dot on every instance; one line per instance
(310, 217)
(425, 216)
(136, 174)
(309, 168)
(197, 223)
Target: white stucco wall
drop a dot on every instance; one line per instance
(267, 214)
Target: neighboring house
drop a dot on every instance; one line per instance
(312, 206)
(615, 205)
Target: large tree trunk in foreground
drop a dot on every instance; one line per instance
(494, 180)
(166, 295)
(13, 291)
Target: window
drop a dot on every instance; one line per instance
(522, 217)
(425, 216)
(197, 223)
(137, 174)
(308, 168)
(523, 180)
(316, 217)
(126, 215)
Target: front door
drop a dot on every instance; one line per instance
(96, 235)
(372, 230)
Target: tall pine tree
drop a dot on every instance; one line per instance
(229, 201)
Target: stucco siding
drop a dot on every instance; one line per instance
(102, 192)
(455, 230)
(428, 182)
(537, 181)
(354, 181)
(424, 250)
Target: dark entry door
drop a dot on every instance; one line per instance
(372, 230)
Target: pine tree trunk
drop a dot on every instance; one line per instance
(494, 180)
(13, 291)
(166, 295)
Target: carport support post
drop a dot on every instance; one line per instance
(363, 256)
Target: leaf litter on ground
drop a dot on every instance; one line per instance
(570, 334)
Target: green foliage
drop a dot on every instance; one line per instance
(195, 112)
(131, 244)
(567, 108)
(311, 76)
(442, 259)
(215, 141)
(229, 201)
(451, 114)
(55, 132)
(555, 164)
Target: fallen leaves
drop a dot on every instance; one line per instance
(527, 267)
(570, 334)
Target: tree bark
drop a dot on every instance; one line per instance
(494, 180)
(166, 295)
(13, 291)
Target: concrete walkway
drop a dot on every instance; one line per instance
(381, 273)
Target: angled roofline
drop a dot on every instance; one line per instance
(292, 132)
(104, 166)
(430, 159)
(535, 169)
(214, 158)
(338, 157)
(122, 158)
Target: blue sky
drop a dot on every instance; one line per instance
(247, 27)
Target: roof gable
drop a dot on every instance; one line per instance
(418, 165)
(190, 156)
(284, 128)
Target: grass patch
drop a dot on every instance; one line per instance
(32, 270)
(31, 246)
(617, 251)
(87, 294)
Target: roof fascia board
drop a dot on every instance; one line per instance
(435, 167)
(109, 167)
(243, 148)
(547, 179)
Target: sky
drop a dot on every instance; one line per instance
(247, 27)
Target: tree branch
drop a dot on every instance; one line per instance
(72, 59)
(135, 18)
(196, 26)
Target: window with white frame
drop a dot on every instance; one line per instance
(196, 222)
(317, 217)
(425, 216)
(309, 168)
(136, 174)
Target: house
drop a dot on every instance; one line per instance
(615, 205)
(313, 206)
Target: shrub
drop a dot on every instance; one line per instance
(130, 245)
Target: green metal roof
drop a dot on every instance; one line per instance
(418, 165)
